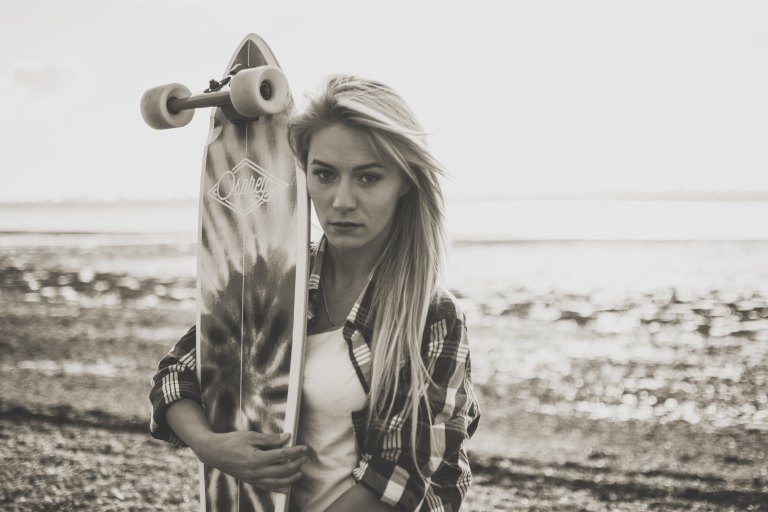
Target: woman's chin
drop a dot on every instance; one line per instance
(345, 241)
(356, 238)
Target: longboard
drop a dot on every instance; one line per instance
(252, 255)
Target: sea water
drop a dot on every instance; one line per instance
(468, 220)
(539, 245)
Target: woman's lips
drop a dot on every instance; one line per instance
(345, 226)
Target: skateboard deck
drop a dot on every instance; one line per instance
(252, 273)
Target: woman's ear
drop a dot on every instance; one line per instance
(406, 185)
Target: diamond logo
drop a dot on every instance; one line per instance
(245, 187)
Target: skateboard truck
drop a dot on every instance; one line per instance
(216, 85)
(252, 92)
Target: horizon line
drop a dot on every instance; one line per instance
(606, 195)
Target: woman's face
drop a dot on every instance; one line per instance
(354, 192)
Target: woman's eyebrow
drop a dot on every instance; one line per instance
(363, 167)
(315, 161)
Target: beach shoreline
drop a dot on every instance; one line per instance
(612, 400)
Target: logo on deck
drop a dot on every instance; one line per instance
(245, 187)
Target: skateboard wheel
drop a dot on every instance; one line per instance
(259, 91)
(155, 111)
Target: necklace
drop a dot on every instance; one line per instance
(325, 304)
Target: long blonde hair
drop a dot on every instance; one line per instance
(409, 273)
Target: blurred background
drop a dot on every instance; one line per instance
(607, 206)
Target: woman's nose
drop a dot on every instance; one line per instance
(344, 198)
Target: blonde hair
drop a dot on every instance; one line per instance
(409, 272)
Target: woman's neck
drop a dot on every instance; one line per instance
(347, 269)
(345, 273)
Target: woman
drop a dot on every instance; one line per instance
(387, 427)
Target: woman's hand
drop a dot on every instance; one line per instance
(256, 458)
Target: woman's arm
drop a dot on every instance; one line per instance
(387, 466)
(187, 420)
(177, 417)
(175, 379)
(250, 456)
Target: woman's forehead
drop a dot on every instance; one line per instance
(342, 144)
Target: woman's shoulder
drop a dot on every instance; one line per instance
(445, 332)
(445, 307)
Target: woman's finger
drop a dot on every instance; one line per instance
(282, 469)
(278, 455)
(267, 440)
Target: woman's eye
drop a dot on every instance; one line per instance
(323, 174)
(369, 179)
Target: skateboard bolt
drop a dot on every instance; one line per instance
(266, 90)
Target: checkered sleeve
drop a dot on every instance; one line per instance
(175, 379)
(387, 466)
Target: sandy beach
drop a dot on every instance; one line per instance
(644, 397)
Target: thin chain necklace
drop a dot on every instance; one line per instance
(325, 304)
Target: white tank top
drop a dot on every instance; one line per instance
(330, 393)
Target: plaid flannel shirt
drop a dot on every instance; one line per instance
(385, 465)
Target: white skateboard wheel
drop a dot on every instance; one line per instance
(259, 91)
(155, 111)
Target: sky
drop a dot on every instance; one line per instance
(529, 97)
